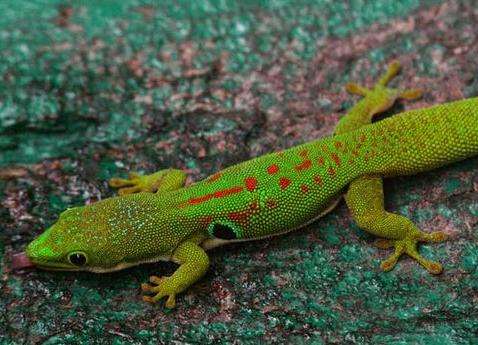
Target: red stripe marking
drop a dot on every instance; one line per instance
(273, 169)
(251, 183)
(336, 158)
(218, 194)
(229, 191)
(304, 188)
(318, 179)
(304, 165)
(201, 199)
(284, 182)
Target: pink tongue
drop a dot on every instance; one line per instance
(20, 260)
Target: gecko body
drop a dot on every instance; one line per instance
(156, 217)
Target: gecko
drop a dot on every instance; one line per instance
(158, 217)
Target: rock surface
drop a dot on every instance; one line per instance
(98, 89)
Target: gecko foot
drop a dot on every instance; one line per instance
(409, 246)
(160, 288)
(382, 95)
(133, 184)
(160, 181)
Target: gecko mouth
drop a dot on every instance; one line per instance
(21, 261)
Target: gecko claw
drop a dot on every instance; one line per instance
(149, 299)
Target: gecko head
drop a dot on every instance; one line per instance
(76, 241)
(100, 237)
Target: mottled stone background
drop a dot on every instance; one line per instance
(94, 89)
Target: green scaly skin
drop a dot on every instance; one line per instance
(156, 217)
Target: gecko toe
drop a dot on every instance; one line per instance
(410, 94)
(116, 182)
(171, 301)
(408, 246)
(436, 236)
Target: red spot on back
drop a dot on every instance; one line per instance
(273, 169)
(304, 165)
(284, 182)
(242, 217)
(332, 171)
(336, 158)
(321, 161)
(355, 153)
(362, 138)
(251, 183)
(304, 188)
(254, 205)
(338, 144)
(318, 179)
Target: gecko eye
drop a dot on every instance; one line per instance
(77, 258)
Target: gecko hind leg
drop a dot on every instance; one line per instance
(366, 203)
(365, 195)
(376, 100)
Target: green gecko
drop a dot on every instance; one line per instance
(156, 217)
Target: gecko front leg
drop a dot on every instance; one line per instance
(193, 262)
(161, 181)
